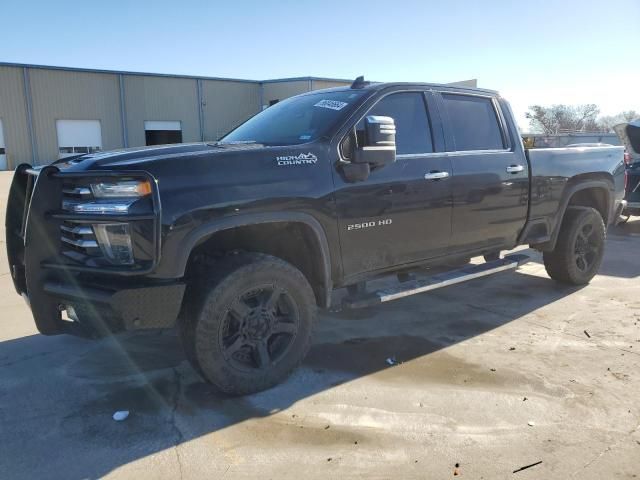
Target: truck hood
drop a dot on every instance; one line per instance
(629, 134)
(141, 157)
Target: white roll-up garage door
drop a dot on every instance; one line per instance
(3, 153)
(161, 125)
(76, 137)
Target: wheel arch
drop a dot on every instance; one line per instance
(581, 191)
(315, 264)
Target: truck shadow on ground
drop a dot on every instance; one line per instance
(76, 385)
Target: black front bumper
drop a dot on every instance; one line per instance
(111, 308)
(103, 300)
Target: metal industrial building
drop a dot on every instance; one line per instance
(48, 113)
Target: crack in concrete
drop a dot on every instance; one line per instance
(561, 332)
(179, 436)
(488, 310)
(603, 452)
(596, 343)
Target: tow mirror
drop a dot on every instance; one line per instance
(379, 147)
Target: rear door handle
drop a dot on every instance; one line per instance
(435, 175)
(515, 168)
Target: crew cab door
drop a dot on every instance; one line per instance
(490, 183)
(397, 216)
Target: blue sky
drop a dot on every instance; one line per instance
(534, 52)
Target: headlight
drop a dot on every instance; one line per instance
(114, 240)
(109, 197)
(121, 211)
(125, 189)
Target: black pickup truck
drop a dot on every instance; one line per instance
(238, 241)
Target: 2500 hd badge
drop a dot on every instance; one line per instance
(360, 226)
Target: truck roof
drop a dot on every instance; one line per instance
(382, 85)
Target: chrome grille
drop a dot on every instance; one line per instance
(73, 194)
(77, 238)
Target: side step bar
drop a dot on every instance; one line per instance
(510, 262)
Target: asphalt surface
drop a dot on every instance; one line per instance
(492, 375)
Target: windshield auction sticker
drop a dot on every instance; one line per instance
(332, 104)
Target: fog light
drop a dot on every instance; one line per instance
(115, 242)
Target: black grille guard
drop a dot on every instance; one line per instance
(33, 241)
(30, 241)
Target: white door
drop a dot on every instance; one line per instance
(3, 153)
(77, 137)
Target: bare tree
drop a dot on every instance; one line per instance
(607, 123)
(563, 118)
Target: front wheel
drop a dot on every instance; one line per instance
(249, 324)
(579, 249)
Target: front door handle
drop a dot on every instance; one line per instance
(435, 175)
(515, 168)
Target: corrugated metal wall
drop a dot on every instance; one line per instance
(65, 95)
(281, 90)
(68, 94)
(320, 84)
(77, 95)
(227, 104)
(161, 98)
(13, 112)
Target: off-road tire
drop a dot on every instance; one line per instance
(207, 307)
(562, 264)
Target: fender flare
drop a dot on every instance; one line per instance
(210, 228)
(568, 193)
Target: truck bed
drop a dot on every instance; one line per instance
(554, 172)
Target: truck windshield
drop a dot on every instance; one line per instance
(295, 120)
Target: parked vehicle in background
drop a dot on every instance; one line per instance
(240, 240)
(629, 134)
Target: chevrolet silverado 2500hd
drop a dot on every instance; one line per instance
(238, 241)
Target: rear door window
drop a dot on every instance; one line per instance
(474, 122)
(408, 110)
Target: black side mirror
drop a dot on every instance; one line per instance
(380, 143)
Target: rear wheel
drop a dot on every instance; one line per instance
(249, 325)
(579, 249)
